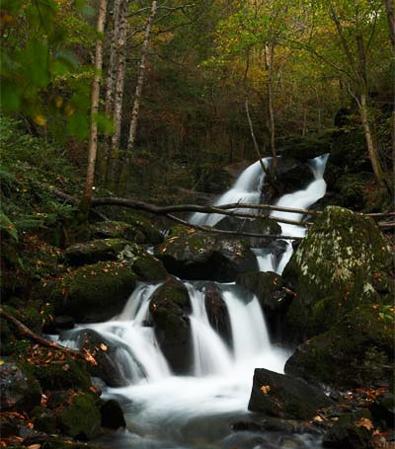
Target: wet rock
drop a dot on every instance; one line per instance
(169, 308)
(212, 179)
(94, 292)
(285, 396)
(217, 312)
(80, 418)
(18, 389)
(260, 225)
(272, 295)
(108, 355)
(197, 255)
(44, 420)
(112, 415)
(344, 261)
(303, 148)
(292, 175)
(94, 251)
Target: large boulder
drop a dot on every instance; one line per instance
(18, 389)
(285, 396)
(198, 255)
(360, 347)
(272, 295)
(94, 251)
(169, 307)
(344, 261)
(217, 312)
(93, 292)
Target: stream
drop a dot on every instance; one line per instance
(163, 410)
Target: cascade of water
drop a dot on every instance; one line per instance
(210, 354)
(246, 189)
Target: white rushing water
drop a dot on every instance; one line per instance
(169, 411)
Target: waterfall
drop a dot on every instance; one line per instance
(161, 404)
(246, 189)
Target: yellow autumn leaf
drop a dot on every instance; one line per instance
(103, 347)
(40, 120)
(58, 102)
(265, 389)
(365, 422)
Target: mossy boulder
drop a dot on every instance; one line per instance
(343, 262)
(197, 255)
(285, 396)
(18, 388)
(94, 292)
(94, 251)
(80, 418)
(360, 347)
(272, 294)
(147, 267)
(169, 307)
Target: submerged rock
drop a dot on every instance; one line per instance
(343, 262)
(285, 396)
(197, 255)
(94, 251)
(217, 312)
(94, 292)
(169, 307)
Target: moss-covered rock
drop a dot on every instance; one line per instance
(360, 347)
(169, 308)
(93, 292)
(343, 262)
(81, 417)
(94, 251)
(198, 255)
(348, 432)
(284, 396)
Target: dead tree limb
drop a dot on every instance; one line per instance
(28, 333)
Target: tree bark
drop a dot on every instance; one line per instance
(140, 79)
(269, 57)
(95, 94)
(120, 73)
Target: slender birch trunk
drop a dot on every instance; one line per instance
(140, 79)
(120, 74)
(95, 94)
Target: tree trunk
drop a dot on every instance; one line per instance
(390, 9)
(140, 79)
(269, 56)
(95, 93)
(120, 73)
(370, 143)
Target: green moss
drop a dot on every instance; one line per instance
(93, 292)
(81, 418)
(94, 251)
(344, 261)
